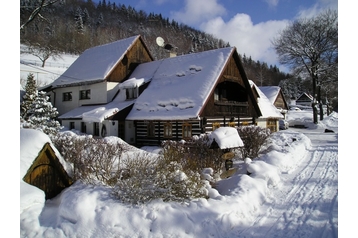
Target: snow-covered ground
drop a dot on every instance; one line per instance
(292, 191)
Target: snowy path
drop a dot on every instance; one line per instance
(306, 204)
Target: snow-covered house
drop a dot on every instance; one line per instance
(91, 85)
(276, 97)
(270, 115)
(189, 95)
(304, 99)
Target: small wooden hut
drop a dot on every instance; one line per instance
(47, 173)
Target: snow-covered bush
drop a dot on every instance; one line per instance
(195, 155)
(254, 138)
(95, 161)
(145, 178)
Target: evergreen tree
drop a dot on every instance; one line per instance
(29, 97)
(43, 115)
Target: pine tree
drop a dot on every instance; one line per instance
(43, 115)
(29, 97)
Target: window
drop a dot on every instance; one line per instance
(150, 129)
(132, 93)
(72, 125)
(67, 96)
(85, 94)
(216, 125)
(104, 131)
(271, 124)
(216, 94)
(96, 129)
(83, 127)
(168, 129)
(186, 130)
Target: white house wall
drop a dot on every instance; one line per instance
(111, 127)
(112, 89)
(100, 93)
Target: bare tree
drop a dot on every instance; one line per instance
(37, 11)
(309, 46)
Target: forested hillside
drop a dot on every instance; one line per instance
(73, 26)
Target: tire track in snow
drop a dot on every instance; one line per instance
(307, 206)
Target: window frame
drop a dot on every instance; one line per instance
(131, 93)
(271, 124)
(96, 128)
(67, 96)
(85, 94)
(187, 130)
(167, 130)
(83, 127)
(150, 129)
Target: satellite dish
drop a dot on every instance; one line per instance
(160, 41)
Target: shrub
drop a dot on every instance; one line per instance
(94, 160)
(253, 138)
(195, 155)
(147, 178)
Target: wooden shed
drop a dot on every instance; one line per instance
(47, 173)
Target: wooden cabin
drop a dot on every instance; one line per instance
(192, 94)
(47, 173)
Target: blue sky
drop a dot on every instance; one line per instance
(250, 25)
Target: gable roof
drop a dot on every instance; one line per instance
(96, 63)
(268, 110)
(179, 85)
(304, 97)
(271, 92)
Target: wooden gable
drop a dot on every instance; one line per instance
(280, 101)
(47, 173)
(232, 96)
(137, 54)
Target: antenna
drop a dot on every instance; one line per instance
(160, 41)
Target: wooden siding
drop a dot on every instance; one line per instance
(142, 137)
(136, 55)
(204, 125)
(47, 173)
(208, 123)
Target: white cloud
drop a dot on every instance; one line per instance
(272, 3)
(318, 7)
(197, 11)
(249, 39)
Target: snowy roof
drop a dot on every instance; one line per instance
(31, 143)
(226, 137)
(266, 107)
(179, 85)
(96, 63)
(309, 96)
(271, 92)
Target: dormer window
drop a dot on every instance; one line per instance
(131, 93)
